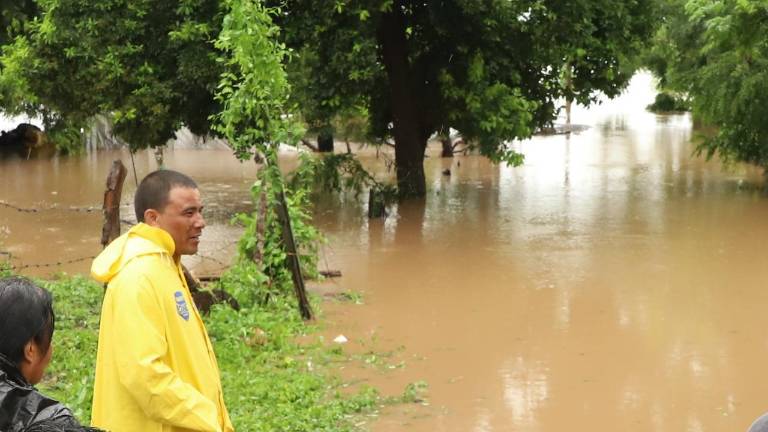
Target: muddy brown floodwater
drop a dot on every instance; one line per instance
(613, 282)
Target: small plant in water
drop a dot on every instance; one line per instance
(415, 392)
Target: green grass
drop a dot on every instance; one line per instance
(69, 378)
(271, 381)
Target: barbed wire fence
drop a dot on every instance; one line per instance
(52, 207)
(7, 258)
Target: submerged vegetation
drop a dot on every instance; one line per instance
(669, 102)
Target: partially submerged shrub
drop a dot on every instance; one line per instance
(669, 102)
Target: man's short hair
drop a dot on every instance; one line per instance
(153, 191)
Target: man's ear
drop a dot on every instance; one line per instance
(31, 352)
(151, 216)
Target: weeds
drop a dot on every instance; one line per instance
(77, 303)
(271, 382)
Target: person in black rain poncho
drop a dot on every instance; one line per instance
(26, 331)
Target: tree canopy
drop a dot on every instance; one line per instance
(492, 70)
(149, 65)
(14, 14)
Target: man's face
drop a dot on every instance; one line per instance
(182, 218)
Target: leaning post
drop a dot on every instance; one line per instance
(111, 208)
(292, 256)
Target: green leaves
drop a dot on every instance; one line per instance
(150, 63)
(489, 112)
(15, 95)
(253, 90)
(716, 53)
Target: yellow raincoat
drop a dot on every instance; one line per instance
(155, 368)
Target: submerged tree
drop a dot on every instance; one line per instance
(491, 70)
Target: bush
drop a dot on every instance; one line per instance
(668, 102)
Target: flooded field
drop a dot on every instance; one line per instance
(613, 282)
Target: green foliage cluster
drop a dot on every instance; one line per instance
(415, 392)
(269, 276)
(14, 18)
(669, 102)
(343, 172)
(271, 381)
(5, 269)
(715, 52)
(254, 118)
(253, 90)
(150, 66)
(14, 14)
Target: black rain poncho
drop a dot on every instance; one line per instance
(21, 405)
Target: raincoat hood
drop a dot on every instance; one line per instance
(22, 405)
(145, 240)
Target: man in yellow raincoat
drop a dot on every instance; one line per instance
(155, 367)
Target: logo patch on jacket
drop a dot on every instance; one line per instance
(181, 305)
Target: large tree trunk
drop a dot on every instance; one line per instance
(410, 141)
(569, 88)
(445, 140)
(325, 142)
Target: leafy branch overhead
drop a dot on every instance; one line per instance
(149, 66)
(253, 90)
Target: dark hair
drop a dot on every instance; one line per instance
(153, 191)
(26, 313)
(58, 425)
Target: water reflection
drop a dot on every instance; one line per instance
(525, 389)
(597, 287)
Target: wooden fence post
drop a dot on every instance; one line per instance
(293, 256)
(111, 208)
(261, 227)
